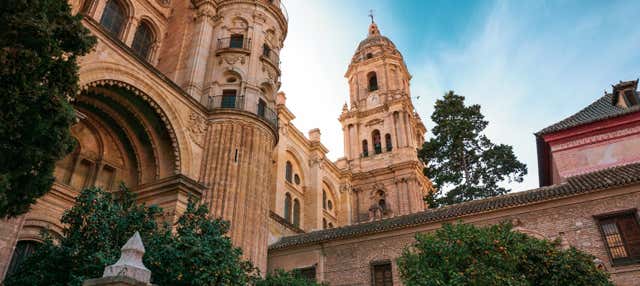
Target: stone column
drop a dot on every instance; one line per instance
(199, 51)
(402, 137)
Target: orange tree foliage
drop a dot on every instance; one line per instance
(464, 254)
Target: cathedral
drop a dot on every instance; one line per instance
(182, 99)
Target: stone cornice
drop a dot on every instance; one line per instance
(284, 222)
(179, 182)
(280, 17)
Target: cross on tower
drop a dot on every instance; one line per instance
(371, 15)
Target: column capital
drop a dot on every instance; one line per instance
(206, 8)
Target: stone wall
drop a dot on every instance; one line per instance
(348, 261)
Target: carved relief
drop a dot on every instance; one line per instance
(232, 60)
(345, 188)
(271, 73)
(197, 128)
(374, 122)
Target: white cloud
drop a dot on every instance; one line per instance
(525, 73)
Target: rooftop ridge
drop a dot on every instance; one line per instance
(602, 108)
(580, 184)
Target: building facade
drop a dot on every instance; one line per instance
(181, 99)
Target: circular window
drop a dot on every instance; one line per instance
(296, 179)
(330, 205)
(231, 80)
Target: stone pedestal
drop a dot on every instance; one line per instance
(114, 281)
(129, 270)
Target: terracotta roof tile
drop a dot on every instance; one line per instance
(603, 179)
(603, 108)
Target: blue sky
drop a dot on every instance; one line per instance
(527, 63)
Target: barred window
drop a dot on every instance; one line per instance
(382, 275)
(621, 235)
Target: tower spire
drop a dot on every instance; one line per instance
(373, 28)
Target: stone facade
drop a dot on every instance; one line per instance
(345, 256)
(180, 99)
(604, 134)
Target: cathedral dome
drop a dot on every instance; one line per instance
(375, 39)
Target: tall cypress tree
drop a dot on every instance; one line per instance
(462, 162)
(40, 41)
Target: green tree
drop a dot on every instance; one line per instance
(464, 254)
(39, 43)
(462, 162)
(283, 278)
(197, 253)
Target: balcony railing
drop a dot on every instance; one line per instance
(237, 102)
(226, 101)
(271, 56)
(269, 115)
(234, 43)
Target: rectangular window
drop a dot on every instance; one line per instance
(261, 107)
(382, 275)
(228, 98)
(621, 235)
(236, 41)
(266, 51)
(308, 273)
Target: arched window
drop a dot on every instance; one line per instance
(387, 141)
(329, 205)
(377, 144)
(113, 17)
(324, 223)
(143, 40)
(24, 249)
(369, 55)
(373, 81)
(288, 171)
(330, 225)
(287, 207)
(296, 212)
(365, 148)
(324, 199)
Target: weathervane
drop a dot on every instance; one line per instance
(371, 14)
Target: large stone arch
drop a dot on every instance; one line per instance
(129, 114)
(164, 101)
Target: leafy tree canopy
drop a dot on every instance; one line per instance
(460, 159)
(39, 43)
(464, 254)
(197, 253)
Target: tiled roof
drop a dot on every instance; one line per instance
(602, 108)
(603, 179)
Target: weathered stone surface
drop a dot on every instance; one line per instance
(130, 262)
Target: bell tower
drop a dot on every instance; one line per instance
(232, 67)
(382, 132)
